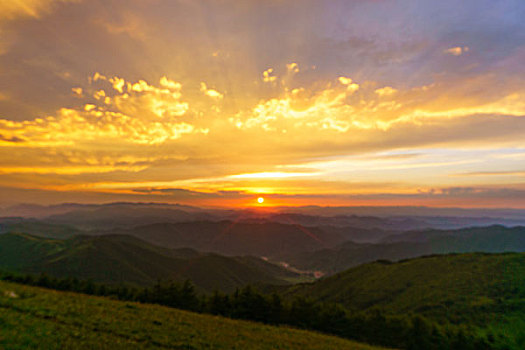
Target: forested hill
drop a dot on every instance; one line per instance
(481, 290)
(124, 259)
(493, 239)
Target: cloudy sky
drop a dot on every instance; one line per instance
(217, 102)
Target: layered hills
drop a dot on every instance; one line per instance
(126, 259)
(412, 244)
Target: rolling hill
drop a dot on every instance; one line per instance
(412, 244)
(120, 258)
(376, 219)
(38, 228)
(485, 290)
(489, 238)
(236, 238)
(36, 318)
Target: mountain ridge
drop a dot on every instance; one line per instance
(127, 259)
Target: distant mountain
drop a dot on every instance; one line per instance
(456, 222)
(410, 245)
(124, 215)
(119, 258)
(386, 219)
(42, 211)
(358, 234)
(38, 228)
(111, 215)
(236, 238)
(353, 221)
(494, 238)
(485, 290)
(383, 218)
(417, 212)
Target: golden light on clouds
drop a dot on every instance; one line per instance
(186, 102)
(125, 112)
(457, 50)
(270, 175)
(12, 9)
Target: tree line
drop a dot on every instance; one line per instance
(404, 332)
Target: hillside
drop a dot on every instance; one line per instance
(119, 258)
(38, 228)
(236, 238)
(486, 290)
(488, 238)
(35, 318)
(493, 239)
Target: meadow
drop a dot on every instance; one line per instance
(38, 318)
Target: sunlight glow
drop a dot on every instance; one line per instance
(323, 114)
(270, 175)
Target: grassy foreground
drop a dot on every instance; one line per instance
(36, 318)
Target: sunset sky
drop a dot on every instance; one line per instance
(219, 102)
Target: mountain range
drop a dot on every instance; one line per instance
(389, 218)
(125, 259)
(412, 244)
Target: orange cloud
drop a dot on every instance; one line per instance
(171, 139)
(268, 77)
(292, 68)
(13, 9)
(146, 114)
(457, 51)
(214, 94)
(386, 91)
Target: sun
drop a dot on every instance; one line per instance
(260, 200)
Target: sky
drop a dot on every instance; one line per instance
(301, 102)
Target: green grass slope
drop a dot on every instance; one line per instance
(482, 290)
(35, 318)
(118, 258)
